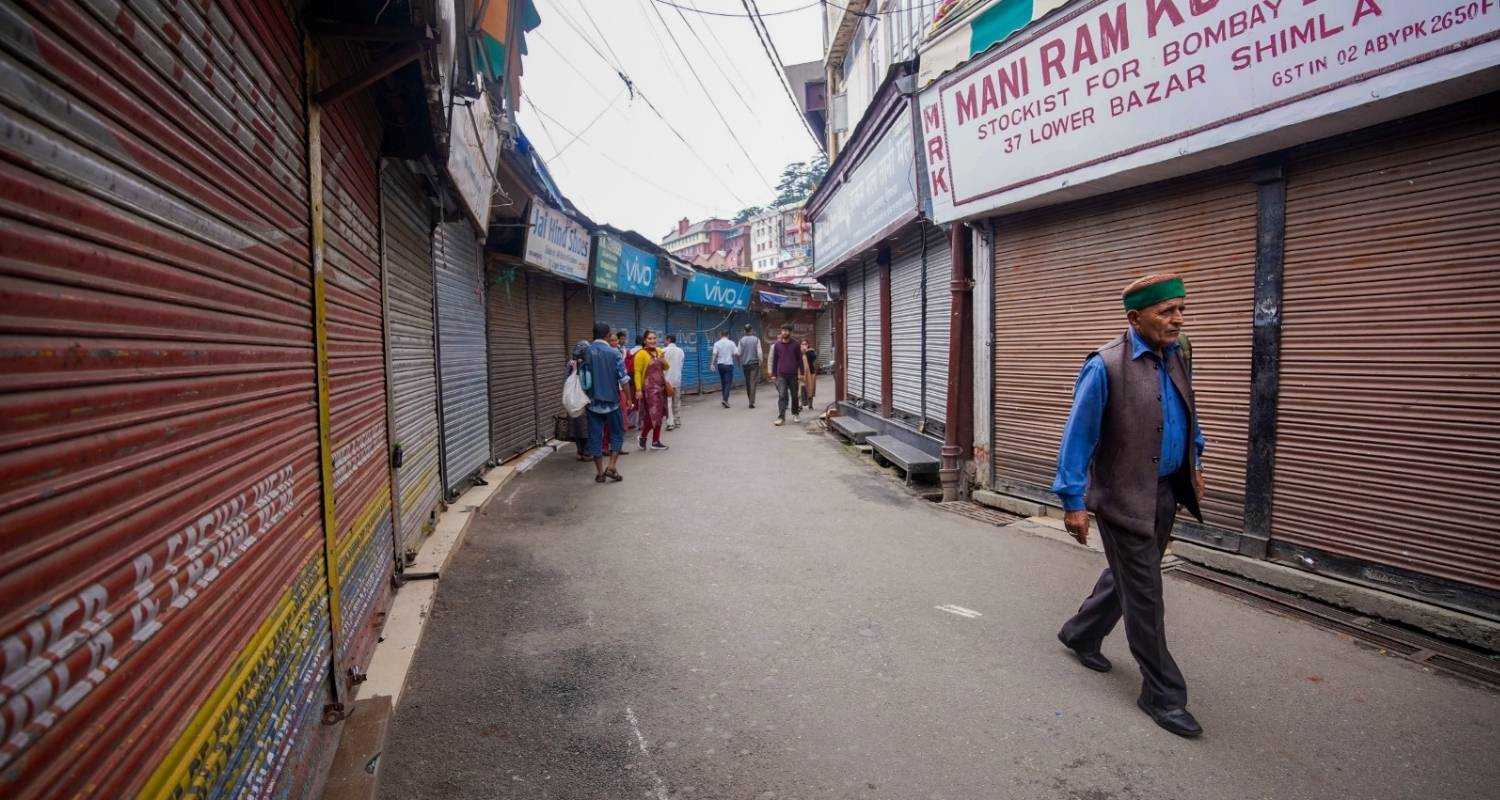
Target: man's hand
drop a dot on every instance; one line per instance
(1077, 523)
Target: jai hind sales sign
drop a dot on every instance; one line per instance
(556, 243)
(1113, 85)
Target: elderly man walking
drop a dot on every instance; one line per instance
(1131, 454)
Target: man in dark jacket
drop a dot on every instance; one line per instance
(1131, 454)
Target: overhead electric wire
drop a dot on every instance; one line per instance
(782, 12)
(592, 122)
(715, 61)
(542, 114)
(661, 48)
(571, 65)
(769, 46)
(581, 7)
(717, 111)
(722, 48)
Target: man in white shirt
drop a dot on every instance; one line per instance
(725, 353)
(674, 357)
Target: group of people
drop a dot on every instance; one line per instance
(629, 388)
(793, 365)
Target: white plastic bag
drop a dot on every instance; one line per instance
(575, 400)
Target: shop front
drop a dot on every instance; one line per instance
(1328, 210)
(891, 268)
(722, 303)
(625, 274)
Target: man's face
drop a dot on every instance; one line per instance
(786, 335)
(1161, 324)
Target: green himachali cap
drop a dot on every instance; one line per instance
(1153, 293)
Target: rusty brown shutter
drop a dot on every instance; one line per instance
(1388, 440)
(512, 399)
(411, 349)
(580, 313)
(165, 621)
(549, 340)
(1059, 272)
(351, 133)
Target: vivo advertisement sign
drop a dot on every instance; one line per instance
(711, 290)
(620, 268)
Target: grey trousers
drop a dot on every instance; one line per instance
(1131, 586)
(752, 377)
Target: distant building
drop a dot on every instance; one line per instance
(765, 240)
(691, 240)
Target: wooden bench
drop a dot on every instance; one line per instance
(852, 429)
(892, 451)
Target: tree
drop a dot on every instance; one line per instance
(798, 180)
(746, 213)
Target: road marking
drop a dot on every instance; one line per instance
(966, 613)
(635, 727)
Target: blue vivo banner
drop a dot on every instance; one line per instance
(711, 290)
(618, 267)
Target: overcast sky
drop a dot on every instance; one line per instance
(565, 79)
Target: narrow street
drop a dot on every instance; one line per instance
(755, 614)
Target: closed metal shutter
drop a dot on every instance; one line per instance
(711, 322)
(619, 311)
(682, 321)
(875, 343)
(463, 388)
(411, 349)
(827, 354)
(166, 614)
(854, 331)
(906, 324)
(938, 305)
(654, 317)
(552, 350)
(511, 386)
(580, 314)
(1388, 433)
(1058, 276)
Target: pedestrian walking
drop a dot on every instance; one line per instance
(578, 427)
(606, 380)
(1131, 453)
(809, 373)
(748, 358)
(675, 357)
(725, 354)
(627, 399)
(650, 371)
(786, 367)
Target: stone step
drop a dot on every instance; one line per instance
(852, 429)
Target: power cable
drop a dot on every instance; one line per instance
(713, 59)
(769, 46)
(586, 128)
(571, 65)
(722, 48)
(600, 31)
(717, 111)
(661, 48)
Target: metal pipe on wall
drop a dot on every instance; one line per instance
(960, 428)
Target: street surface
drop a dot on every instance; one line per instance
(759, 613)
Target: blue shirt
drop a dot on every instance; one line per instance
(607, 367)
(1081, 435)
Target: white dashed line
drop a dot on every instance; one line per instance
(966, 613)
(660, 792)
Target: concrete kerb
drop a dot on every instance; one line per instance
(407, 618)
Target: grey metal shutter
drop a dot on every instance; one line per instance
(550, 352)
(906, 324)
(410, 348)
(939, 276)
(512, 384)
(462, 388)
(874, 340)
(823, 327)
(618, 310)
(682, 322)
(854, 331)
(654, 318)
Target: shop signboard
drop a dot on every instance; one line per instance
(1116, 89)
(556, 244)
(711, 290)
(877, 195)
(473, 152)
(621, 268)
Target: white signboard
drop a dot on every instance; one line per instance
(473, 152)
(556, 243)
(878, 193)
(1113, 85)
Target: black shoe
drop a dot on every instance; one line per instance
(724, 404)
(1175, 720)
(1094, 660)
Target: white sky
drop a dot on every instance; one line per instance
(564, 78)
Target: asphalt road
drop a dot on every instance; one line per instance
(755, 614)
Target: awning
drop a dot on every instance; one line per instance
(961, 33)
(495, 27)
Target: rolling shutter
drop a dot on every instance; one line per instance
(411, 349)
(463, 390)
(823, 336)
(166, 613)
(938, 304)
(511, 386)
(653, 316)
(1059, 272)
(682, 321)
(619, 311)
(854, 331)
(580, 313)
(874, 339)
(1389, 415)
(550, 344)
(906, 324)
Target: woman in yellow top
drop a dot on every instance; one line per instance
(649, 370)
